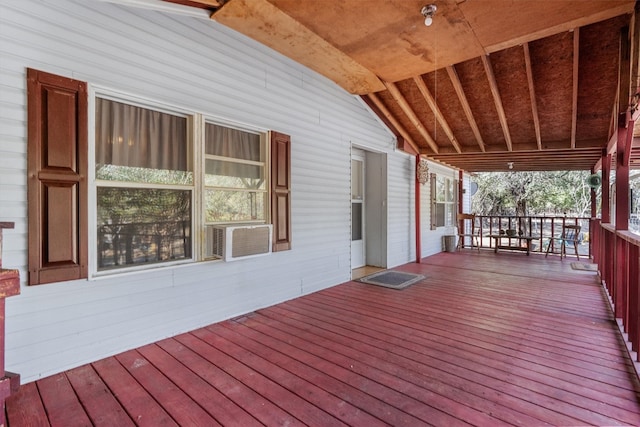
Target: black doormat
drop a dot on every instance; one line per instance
(391, 279)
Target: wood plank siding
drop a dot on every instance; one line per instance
(483, 340)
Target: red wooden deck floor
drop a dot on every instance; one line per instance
(484, 340)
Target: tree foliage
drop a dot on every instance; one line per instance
(532, 193)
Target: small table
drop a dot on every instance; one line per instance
(498, 240)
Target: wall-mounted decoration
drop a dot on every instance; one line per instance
(422, 172)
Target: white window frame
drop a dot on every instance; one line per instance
(450, 202)
(195, 136)
(265, 155)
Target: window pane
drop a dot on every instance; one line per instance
(356, 179)
(450, 215)
(234, 143)
(142, 226)
(137, 144)
(449, 183)
(356, 221)
(440, 189)
(234, 206)
(440, 214)
(219, 173)
(150, 176)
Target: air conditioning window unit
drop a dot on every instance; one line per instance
(233, 242)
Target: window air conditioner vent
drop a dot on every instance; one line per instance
(232, 242)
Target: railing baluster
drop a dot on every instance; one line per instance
(542, 227)
(617, 254)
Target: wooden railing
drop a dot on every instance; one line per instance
(617, 254)
(541, 227)
(9, 285)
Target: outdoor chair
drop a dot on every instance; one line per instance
(569, 237)
(465, 231)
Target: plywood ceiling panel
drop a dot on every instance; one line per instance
(476, 86)
(552, 67)
(599, 45)
(500, 24)
(525, 79)
(511, 75)
(262, 21)
(389, 37)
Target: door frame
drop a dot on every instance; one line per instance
(358, 247)
(375, 191)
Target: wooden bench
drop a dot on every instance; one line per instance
(498, 238)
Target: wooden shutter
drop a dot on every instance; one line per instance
(281, 191)
(57, 178)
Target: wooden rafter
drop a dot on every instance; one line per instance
(574, 102)
(424, 90)
(530, 146)
(523, 155)
(532, 94)
(635, 54)
(406, 108)
(385, 111)
(457, 86)
(266, 23)
(566, 25)
(624, 80)
(214, 3)
(202, 4)
(497, 100)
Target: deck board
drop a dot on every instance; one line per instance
(140, 405)
(484, 339)
(101, 406)
(210, 399)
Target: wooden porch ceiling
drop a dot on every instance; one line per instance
(489, 82)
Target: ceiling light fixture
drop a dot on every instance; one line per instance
(510, 164)
(428, 12)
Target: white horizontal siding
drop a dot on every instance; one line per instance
(200, 65)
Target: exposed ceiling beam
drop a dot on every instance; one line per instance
(568, 25)
(497, 100)
(635, 67)
(613, 142)
(613, 121)
(164, 6)
(406, 108)
(635, 54)
(524, 161)
(532, 94)
(214, 3)
(424, 90)
(269, 25)
(624, 79)
(385, 111)
(457, 86)
(597, 166)
(524, 155)
(574, 102)
(524, 147)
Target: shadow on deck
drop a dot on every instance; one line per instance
(485, 340)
